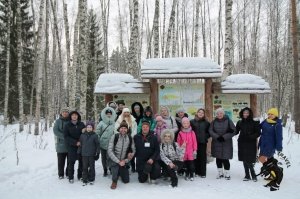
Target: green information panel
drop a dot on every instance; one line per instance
(187, 96)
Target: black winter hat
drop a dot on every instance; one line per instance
(123, 124)
(145, 122)
(120, 102)
(108, 111)
(147, 169)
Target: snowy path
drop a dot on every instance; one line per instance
(36, 177)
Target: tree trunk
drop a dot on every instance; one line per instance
(155, 30)
(20, 65)
(171, 26)
(83, 39)
(219, 31)
(228, 40)
(296, 69)
(196, 37)
(105, 16)
(40, 69)
(6, 120)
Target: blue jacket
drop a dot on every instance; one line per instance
(271, 138)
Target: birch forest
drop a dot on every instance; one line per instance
(53, 51)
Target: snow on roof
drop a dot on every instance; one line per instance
(180, 67)
(245, 83)
(111, 83)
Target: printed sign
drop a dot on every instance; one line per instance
(231, 103)
(187, 96)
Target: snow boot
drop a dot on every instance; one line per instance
(220, 173)
(113, 185)
(227, 174)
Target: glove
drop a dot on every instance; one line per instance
(195, 154)
(97, 156)
(221, 139)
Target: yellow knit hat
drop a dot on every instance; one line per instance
(273, 111)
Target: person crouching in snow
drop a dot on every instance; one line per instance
(188, 137)
(120, 151)
(89, 149)
(171, 155)
(271, 140)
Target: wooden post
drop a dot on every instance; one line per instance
(208, 99)
(253, 105)
(154, 95)
(108, 98)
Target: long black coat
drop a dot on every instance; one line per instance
(249, 131)
(143, 153)
(201, 127)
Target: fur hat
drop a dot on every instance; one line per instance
(125, 110)
(123, 124)
(273, 111)
(90, 123)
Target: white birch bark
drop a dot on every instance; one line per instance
(228, 40)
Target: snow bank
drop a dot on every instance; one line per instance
(245, 83)
(180, 67)
(36, 176)
(109, 83)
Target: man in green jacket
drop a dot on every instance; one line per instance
(61, 149)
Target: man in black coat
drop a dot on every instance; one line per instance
(147, 153)
(72, 132)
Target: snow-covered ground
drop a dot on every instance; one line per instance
(36, 175)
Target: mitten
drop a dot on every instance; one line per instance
(195, 154)
(221, 139)
(97, 156)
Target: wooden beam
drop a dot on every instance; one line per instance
(208, 99)
(154, 95)
(108, 98)
(254, 105)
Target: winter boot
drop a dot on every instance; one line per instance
(105, 173)
(113, 185)
(253, 175)
(220, 173)
(227, 174)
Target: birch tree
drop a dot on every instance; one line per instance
(228, 40)
(7, 65)
(39, 67)
(105, 6)
(170, 28)
(20, 64)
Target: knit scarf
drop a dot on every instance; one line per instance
(270, 121)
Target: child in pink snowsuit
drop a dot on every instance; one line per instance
(188, 136)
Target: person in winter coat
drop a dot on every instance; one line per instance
(148, 115)
(180, 113)
(72, 132)
(137, 111)
(269, 142)
(121, 150)
(200, 126)
(121, 106)
(132, 125)
(188, 137)
(169, 120)
(110, 104)
(171, 155)
(60, 145)
(248, 131)
(132, 129)
(222, 130)
(159, 127)
(105, 129)
(89, 149)
(147, 154)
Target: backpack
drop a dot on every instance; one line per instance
(129, 149)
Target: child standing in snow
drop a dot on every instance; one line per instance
(89, 149)
(188, 137)
(159, 127)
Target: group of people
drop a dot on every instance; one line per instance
(164, 146)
